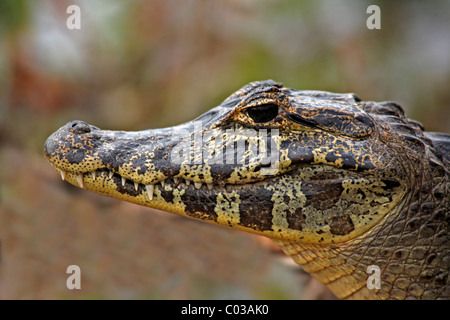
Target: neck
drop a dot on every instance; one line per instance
(410, 247)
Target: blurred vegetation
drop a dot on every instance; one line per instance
(143, 64)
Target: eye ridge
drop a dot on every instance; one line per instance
(263, 113)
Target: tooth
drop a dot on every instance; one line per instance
(209, 185)
(163, 182)
(149, 188)
(123, 181)
(198, 185)
(63, 175)
(94, 175)
(80, 180)
(111, 174)
(136, 186)
(175, 180)
(188, 182)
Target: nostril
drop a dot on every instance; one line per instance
(79, 127)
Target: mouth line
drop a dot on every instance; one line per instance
(128, 184)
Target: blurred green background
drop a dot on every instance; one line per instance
(137, 65)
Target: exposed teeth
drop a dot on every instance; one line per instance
(80, 180)
(150, 188)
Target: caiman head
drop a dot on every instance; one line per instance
(339, 183)
(303, 166)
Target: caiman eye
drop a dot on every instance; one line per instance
(263, 113)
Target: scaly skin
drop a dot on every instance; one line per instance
(339, 184)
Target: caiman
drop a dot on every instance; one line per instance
(353, 191)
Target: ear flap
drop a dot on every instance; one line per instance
(349, 121)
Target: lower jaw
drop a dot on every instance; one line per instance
(201, 202)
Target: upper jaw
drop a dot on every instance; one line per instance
(149, 157)
(146, 157)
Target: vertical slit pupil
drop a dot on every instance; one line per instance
(264, 113)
